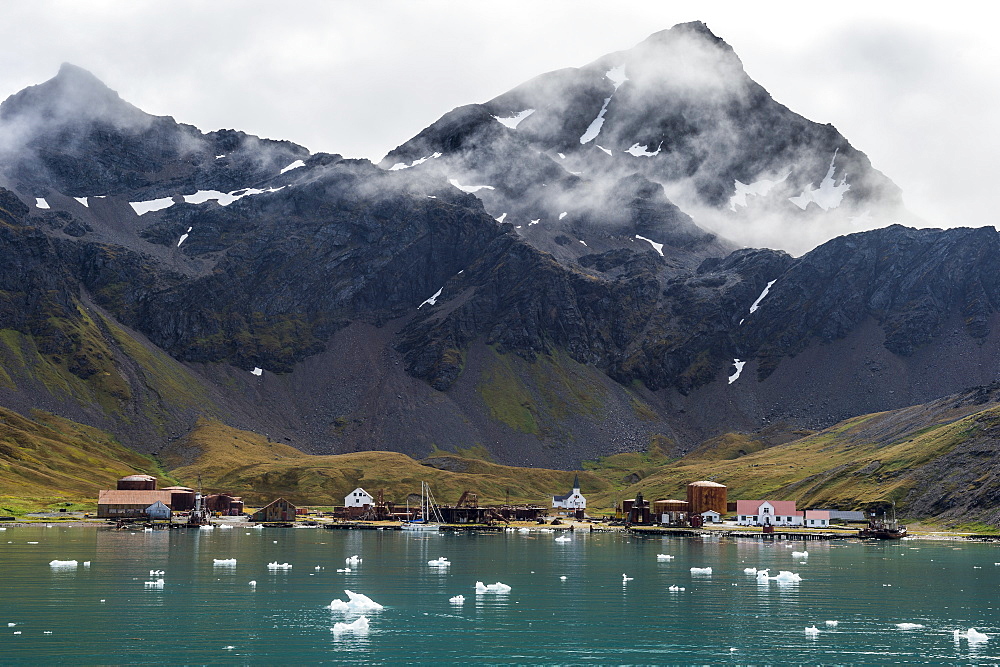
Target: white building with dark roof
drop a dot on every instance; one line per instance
(358, 498)
(573, 500)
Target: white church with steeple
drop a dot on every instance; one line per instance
(573, 500)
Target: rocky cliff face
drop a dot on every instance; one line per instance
(500, 280)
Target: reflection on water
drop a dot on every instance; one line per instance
(569, 601)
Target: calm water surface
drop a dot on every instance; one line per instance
(205, 614)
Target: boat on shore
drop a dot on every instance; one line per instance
(430, 518)
(883, 528)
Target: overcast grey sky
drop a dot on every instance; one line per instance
(916, 89)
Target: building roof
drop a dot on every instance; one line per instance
(131, 497)
(818, 514)
(137, 478)
(185, 489)
(275, 502)
(751, 507)
(705, 482)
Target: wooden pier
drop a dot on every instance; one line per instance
(740, 534)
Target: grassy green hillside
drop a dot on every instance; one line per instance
(249, 465)
(47, 461)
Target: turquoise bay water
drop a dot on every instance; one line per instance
(206, 614)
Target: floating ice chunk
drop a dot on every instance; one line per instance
(228, 648)
(294, 165)
(660, 557)
(739, 369)
(11, 625)
(344, 570)
(46, 632)
(756, 304)
(252, 583)
(224, 562)
(701, 570)
(812, 630)
(278, 566)
(523, 530)
(432, 299)
(562, 578)
(563, 538)
(786, 577)
(909, 626)
(658, 247)
(643, 151)
(358, 627)
(756, 189)
(763, 574)
(470, 188)
(673, 588)
(86, 563)
(497, 588)
(625, 578)
(750, 571)
(41, 203)
(62, 564)
(156, 573)
(595, 125)
(800, 554)
(207, 526)
(31, 542)
(832, 624)
(83, 201)
(258, 371)
(356, 602)
(158, 583)
(144, 207)
(513, 121)
(17, 632)
(830, 192)
(458, 599)
(225, 527)
(439, 562)
(972, 635)
(354, 560)
(602, 148)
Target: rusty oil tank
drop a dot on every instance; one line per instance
(137, 483)
(705, 495)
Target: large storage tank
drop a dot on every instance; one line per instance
(137, 483)
(182, 498)
(705, 495)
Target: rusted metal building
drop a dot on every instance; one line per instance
(182, 497)
(277, 511)
(137, 483)
(128, 503)
(671, 512)
(637, 510)
(224, 504)
(705, 495)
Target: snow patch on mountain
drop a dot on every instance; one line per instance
(41, 203)
(513, 121)
(144, 207)
(403, 165)
(599, 146)
(83, 200)
(756, 189)
(470, 188)
(595, 125)
(184, 236)
(430, 301)
(739, 369)
(294, 165)
(643, 151)
(658, 247)
(830, 192)
(756, 304)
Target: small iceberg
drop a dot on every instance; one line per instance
(439, 562)
(701, 570)
(752, 571)
(154, 584)
(207, 527)
(353, 561)
(157, 573)
(832, 624)
(660, 557)
(358, 627)
(800, 554)
(497, 588)
(224, 562)
(786, 577)
(675, 588)
(523, 530)
(86, 563)
(625, 578)
(909, 626)
(278, 566)
(62, 564)
(812, 631)
(252, 583)
(458, 599)
(563, 538)
(356, 603)
(972, 635)
(343, 570)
